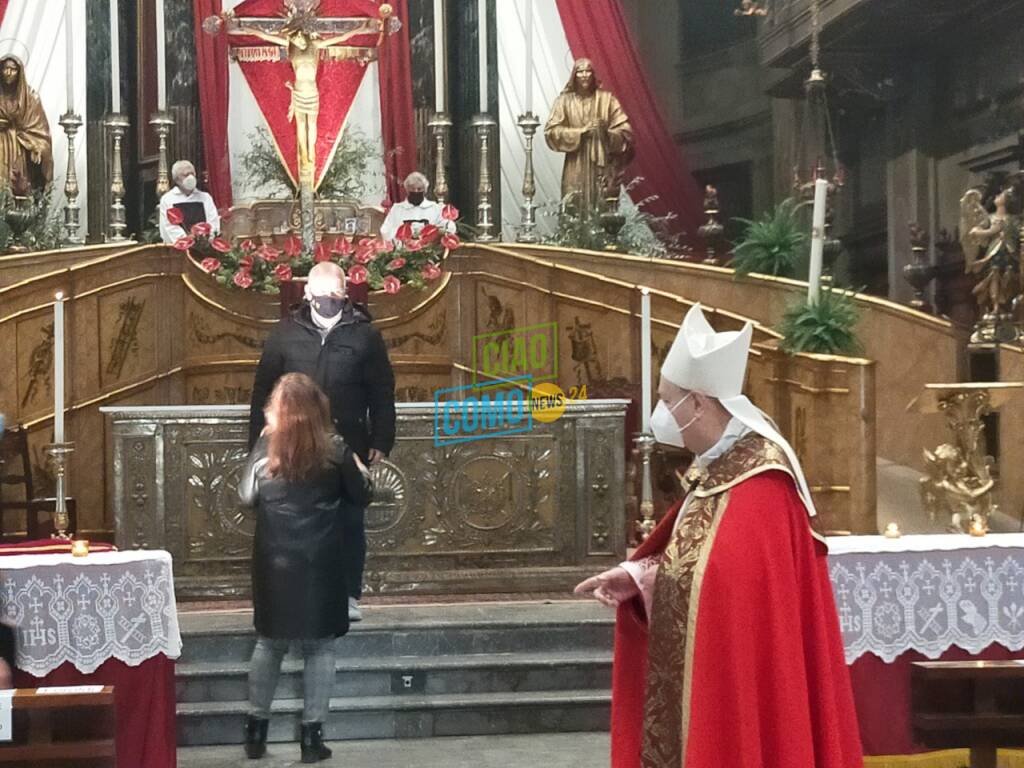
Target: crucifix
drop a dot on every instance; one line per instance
(305, 38)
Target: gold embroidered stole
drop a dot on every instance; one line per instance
(673, 620)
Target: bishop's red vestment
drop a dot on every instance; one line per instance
(740, 664)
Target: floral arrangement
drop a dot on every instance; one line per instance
(412, 259)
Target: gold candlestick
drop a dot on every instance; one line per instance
(441, 126)
(645, 442)
(118, 125)
(162, 122)
(71, 122)
(59, 453)
(484, 223)
(528, 124)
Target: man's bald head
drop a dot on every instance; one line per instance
(325, 279)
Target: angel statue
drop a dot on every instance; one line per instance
(956, 488)
(990, 228)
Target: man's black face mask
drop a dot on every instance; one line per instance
(415, 197)
(327, 306)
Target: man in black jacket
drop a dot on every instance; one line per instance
(331, 340)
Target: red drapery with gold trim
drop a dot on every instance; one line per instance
(212, 78)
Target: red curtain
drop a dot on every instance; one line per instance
(3, 8)
(396, 112)
(212, 64)
(597, 30)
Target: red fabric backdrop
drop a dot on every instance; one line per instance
(598, 31)
(3, 8)
(212, 65)
(396, 110)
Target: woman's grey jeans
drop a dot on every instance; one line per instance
(317, 677)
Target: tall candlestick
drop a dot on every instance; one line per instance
(161, 59)
(529, 56)
(69, 55)
(817, 240)
(440, 80)
(482, 40)
(115, 60)
(645, 356)
(58, 368)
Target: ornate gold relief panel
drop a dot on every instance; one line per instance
(428, 333)
(127, 336)
(227, 388)
(34, 361)
(594, 350)
(486, 496)
(209, 333)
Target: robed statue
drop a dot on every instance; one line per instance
(25, 147)
(588, 124)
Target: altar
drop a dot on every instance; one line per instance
(523, 513)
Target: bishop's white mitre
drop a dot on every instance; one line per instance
(715, 364)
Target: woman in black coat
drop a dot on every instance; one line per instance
(300, 477)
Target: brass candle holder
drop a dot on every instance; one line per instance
(59, 453)
(484, 125)
(118, 125)
(71, 122)
(441, 128)
(162, 122)
(528, 124)
(645, 442)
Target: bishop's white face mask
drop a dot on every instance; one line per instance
(664, 425)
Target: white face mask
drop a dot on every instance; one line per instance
(664, 425)
(188, 184)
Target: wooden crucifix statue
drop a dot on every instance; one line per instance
(305, 38)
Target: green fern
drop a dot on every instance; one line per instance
(826, 327)
(772, 244)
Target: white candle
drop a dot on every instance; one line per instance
(482, 39)
(529, 55)
(115, 60)
(645, 356)
(817, 240)
(69, 55)
(161, 59)
(58, 368)
(439, 52)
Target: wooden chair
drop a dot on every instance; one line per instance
(16, 473)
(975, 704)
(52, 729)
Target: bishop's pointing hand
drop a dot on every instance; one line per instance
(612, 587)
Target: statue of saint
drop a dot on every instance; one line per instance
(588, 124)
(25, 146)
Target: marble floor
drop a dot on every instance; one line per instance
(557, 750)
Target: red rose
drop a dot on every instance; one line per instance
(202, 229)
(175, 216)
(404, 232)
(268, 253)
(430, 271)
(449, 213)
(283, 272)
(429, 234)
(248, 245)
(413, 245)
(364, 255)
(342, 247)
(396, 263)
(320, 253)
(220, 244)
(184, 243)
(450, 242)
(242, 279)
(357, 275)
(392, 284)
(210, 264)
(293, 247)
(383, 246)
(246, 262)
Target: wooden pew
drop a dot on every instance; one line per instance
(975, 704)
(61, 729)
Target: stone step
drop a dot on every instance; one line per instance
(407, 716)
(395, 631)
(410, 675)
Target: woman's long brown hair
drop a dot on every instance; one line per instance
(298, 445)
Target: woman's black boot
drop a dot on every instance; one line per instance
(255, 737)
(313, 748)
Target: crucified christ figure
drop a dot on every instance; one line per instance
(301, 36)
